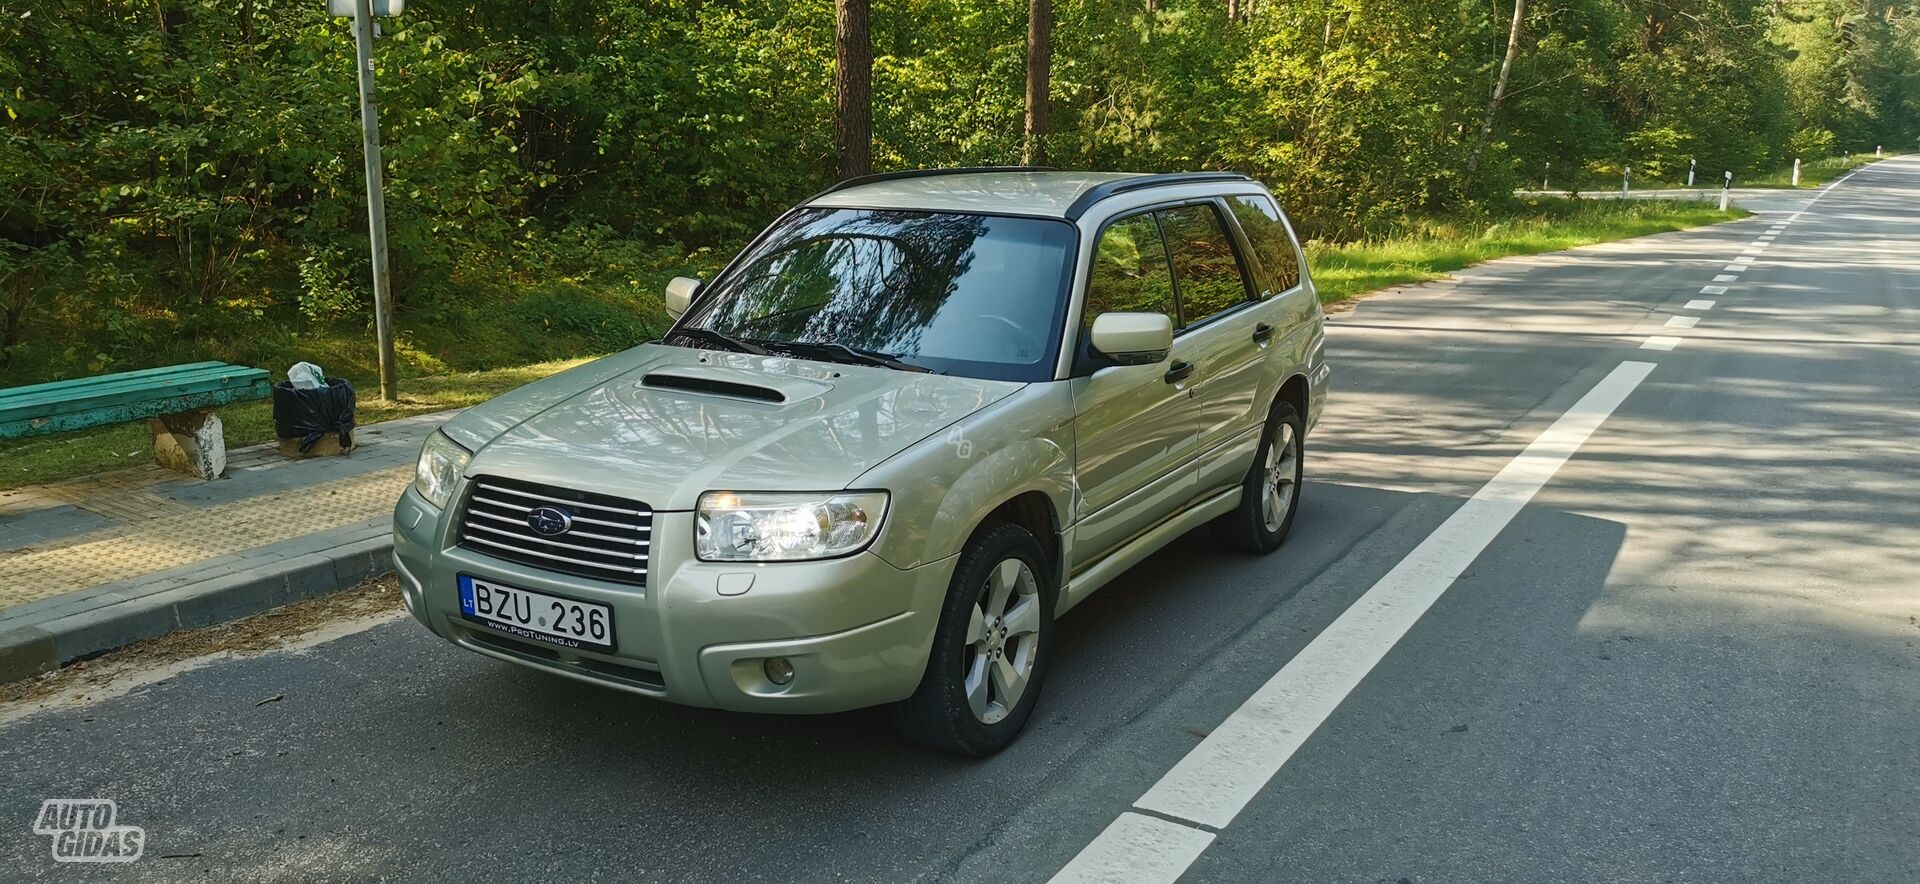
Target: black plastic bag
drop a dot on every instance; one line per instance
(308, 415)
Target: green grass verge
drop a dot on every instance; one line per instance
(1813, 173)
(64, 455)
(1426, 250)
(1429, 250)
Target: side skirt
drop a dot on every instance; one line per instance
(1117, 562)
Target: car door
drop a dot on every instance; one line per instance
(1223, 331)
(1133, 424)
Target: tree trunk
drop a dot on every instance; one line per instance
(853, 87)
(1233, 10)
(1039, 81)
(1499, 95)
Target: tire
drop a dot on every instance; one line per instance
(1252, 526)
(979, 647)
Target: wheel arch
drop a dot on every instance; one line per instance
(1295, 392)
(1033, 511)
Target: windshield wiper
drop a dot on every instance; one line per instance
(727, 341)
(864, 357)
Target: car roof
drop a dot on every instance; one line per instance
(1049, 194)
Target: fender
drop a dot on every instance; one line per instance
(974, 466)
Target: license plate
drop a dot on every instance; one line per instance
(536, 616)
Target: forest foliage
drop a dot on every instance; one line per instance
(182, 177)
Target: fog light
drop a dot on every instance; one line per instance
(779, 670)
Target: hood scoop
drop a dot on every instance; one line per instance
(733, 383)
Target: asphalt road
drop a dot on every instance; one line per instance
(1693, 654)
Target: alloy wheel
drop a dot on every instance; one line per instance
(1003, 637)
(1278, 485)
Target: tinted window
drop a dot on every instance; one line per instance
(1260, 218)
(973, 295)
(1130, 273)
(1204, 264)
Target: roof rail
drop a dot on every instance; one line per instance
(1098, 192)
(858, 180)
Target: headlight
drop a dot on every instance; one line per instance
(768, 527)
(441, 462)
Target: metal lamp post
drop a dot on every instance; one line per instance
(363, 12)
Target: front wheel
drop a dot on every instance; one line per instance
(1271, 493)
(990, 650)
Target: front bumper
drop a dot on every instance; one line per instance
(856, 629)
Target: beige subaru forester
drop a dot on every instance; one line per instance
(917, 419)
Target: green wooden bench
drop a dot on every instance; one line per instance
(177, 400)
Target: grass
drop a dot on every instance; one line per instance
(1813, 173)
(64, 455)
(1430, 250)
(1425, 250)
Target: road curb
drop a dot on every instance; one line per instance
(41, 640)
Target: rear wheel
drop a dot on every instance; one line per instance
(1271, 491)
(990, 650)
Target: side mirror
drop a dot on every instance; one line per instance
(680, 295)
(1132, 338)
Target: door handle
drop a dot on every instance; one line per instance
(1262, 333)
(1177, 372)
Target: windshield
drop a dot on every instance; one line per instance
(973, 295)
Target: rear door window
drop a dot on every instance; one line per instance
(1272, 244)
(1204, 264)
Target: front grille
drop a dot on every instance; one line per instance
(608, 541)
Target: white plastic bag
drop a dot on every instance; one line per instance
(307, 376)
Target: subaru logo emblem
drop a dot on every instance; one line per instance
(550, 521)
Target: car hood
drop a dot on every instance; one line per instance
(661, 424)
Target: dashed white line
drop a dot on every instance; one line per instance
(1216, 779)
(1727, 277)
(1753, 250)
(1661, 342)
(1713, 290)
(1699, 304)
(1682, 321)
(1137, 847)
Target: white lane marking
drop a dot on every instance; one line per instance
(1682, 321)
(1753, 250)
(1216, 779)
(1823, 192)
(1764, 238)
(1713, 290)
(1727, 277)
(1137, 847)
(1700, 304)
(1661, 342)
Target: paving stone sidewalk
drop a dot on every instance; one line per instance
(91, 564)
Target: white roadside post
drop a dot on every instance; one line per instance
(1876, 151)
(1691, 166)
(1726, 190)
(1544, 176)
(1796, 171)
(1626, 179)
(362, 12)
